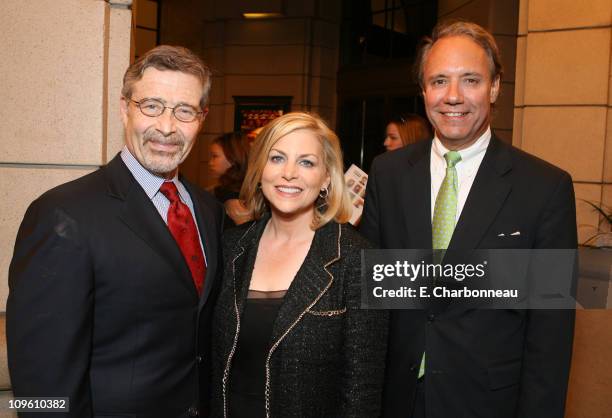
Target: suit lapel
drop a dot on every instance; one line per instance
(487, 196)
(311, 281)
(208, 232)
(242, 261)
(416, 181)
(140, 215)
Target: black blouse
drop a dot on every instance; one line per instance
(247, 382)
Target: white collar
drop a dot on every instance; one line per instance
(467, 154)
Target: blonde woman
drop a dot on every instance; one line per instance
(290, 339)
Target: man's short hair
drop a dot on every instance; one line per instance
(169, 58)
(460, 28)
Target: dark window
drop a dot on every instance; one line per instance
(381, 30)
(379, 41)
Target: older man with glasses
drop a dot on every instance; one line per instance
(114, 274)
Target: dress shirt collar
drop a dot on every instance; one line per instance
(468, 155)
(147, 180)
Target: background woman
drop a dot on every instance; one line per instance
(228, 163)
(406, 130)
(290, 339)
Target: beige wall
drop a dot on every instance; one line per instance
(501, 19)
(293, 55)
(563, 114)
(563, 99)
(61, 74)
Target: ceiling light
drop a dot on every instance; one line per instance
(261, 15)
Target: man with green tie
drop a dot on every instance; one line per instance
(466, 189)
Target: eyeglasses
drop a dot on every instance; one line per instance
(154, 108)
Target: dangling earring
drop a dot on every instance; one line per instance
(324, 193)
(322, 202)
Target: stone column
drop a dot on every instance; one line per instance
(563, 114)
(563, 99)
(61, 76)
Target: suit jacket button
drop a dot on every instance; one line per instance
(431, 317)
(192, 412)
(199, 359)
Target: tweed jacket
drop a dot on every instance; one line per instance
(327, 355)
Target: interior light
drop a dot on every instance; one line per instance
(261, 15)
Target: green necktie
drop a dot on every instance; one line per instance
(445, 211)
(445, 214)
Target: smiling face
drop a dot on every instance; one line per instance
(294, 175)
(458, 90)
(161, 143)
(393, 140)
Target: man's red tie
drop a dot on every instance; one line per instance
(183, 229)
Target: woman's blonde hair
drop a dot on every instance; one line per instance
(337, 205)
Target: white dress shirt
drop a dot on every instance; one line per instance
(471, 157)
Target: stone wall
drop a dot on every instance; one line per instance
(563, 103)
(61, 78)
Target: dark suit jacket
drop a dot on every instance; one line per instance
(102, 307)
(496, 363)
(326, 355)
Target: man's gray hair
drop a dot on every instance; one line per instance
(169, 58)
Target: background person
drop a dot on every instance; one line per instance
(228, 163)
(405, 130)
(290, 337)
(113, 277)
